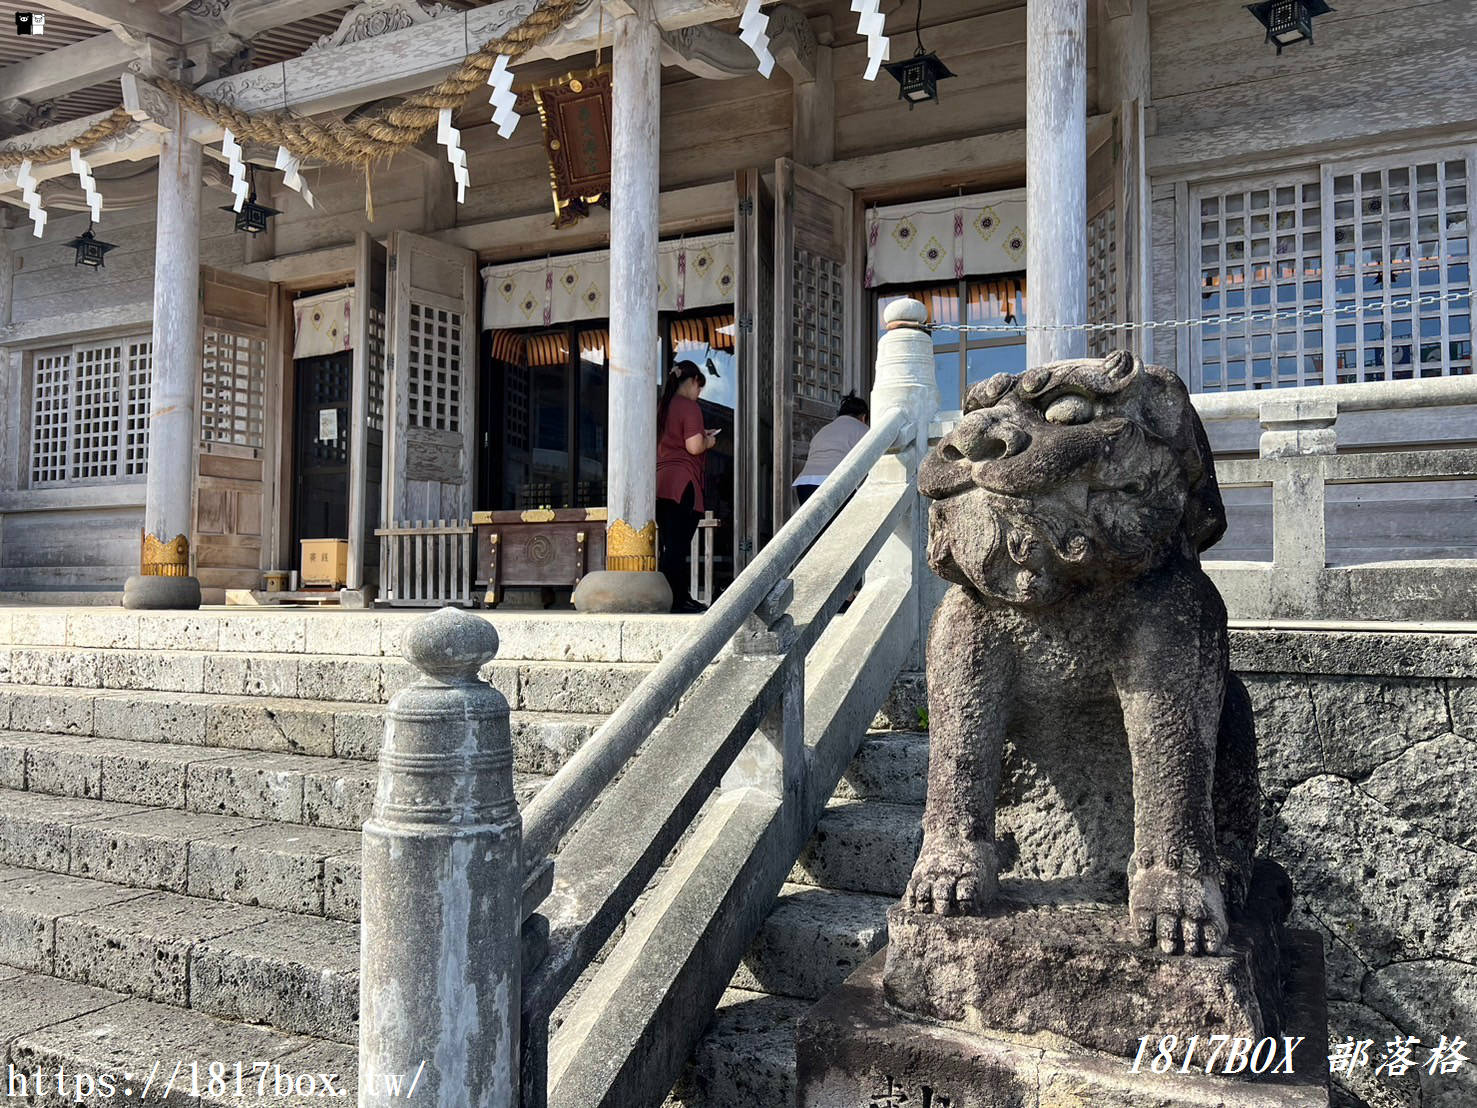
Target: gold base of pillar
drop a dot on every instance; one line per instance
(158, 558)
(628, 550)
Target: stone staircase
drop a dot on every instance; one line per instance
(180, 798)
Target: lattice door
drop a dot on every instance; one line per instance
(233, 388)
(432, 337)
(1102, 281)
(231, 491)
(814, 301)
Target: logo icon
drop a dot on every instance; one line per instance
(30, 23)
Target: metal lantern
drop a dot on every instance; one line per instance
(252, 218)
(918, 77)
(90, 249)
(1288, 21)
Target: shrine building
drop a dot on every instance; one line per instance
(443, 355)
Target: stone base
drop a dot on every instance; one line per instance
(609, 590)
(357, 598)
(161, 592)
(853, 1050)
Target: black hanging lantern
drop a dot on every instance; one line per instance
(90, 249)
(252, 218)
(918, 77)
(1288, 21)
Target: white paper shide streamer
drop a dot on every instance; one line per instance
(449, 137)
(89, 185)
(503, 99)
(232, 150)
(27, 182)
(754, 31)
(870, 24)
(292, 174)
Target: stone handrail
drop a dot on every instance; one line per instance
(772, 695)
(564, 799)
(1298, 459)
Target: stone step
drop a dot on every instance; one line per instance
(862, 846)
(85, 1031)
(523, 636)
(812, 941)
(308, 870)
(890, 766)
(542, 741)
(298, 974)
(561, 686)
(746, 1057)
(254, 785)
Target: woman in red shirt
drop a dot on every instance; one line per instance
(681, 442)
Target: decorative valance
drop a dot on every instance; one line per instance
(691, 273)
(941, 240)
(321, 323)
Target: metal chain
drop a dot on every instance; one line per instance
(1209, 321)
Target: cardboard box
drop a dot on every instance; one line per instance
(325, 563)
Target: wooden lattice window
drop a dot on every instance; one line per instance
(231, 389)
(96, 407)
(1337, 251)
(818, 327)
(434, 373)
(1400, 233)
(90, 412)
(51, 416)
(376, 414)
(1261, 252)
(138, 384)
(1102, 281)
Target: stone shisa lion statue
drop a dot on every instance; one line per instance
(1071, 504)
(1080, 653)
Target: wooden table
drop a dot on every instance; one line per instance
(537, 548)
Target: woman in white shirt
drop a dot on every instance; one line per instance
(831, 444)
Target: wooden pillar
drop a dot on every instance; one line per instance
(164, 579)
(631, 583)
(1056, 176)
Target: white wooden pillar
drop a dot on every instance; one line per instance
(1056, 176)
(164, 579)
(631, 582)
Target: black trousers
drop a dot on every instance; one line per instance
(804, 492)
(676, 523)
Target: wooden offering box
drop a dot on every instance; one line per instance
(325, 562)
(540, 547)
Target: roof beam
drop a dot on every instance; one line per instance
(126, 18)
(248, 18)
(398, 62)
(66, 69)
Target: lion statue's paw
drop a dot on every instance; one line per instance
(1177, 910)
(954, 876)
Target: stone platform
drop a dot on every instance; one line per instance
(853, 1050)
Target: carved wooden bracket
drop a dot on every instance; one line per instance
(720, 55)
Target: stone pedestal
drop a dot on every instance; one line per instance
(1073, 973)
(855, 1051)
(1049, 1005)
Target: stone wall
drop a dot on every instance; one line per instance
(1368, 746)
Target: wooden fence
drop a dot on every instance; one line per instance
(427, 563)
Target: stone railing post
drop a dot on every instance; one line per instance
(905, 378)
(1296, 436)
(440, 962)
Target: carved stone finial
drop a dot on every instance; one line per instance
(451, 646)
(905, 313)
